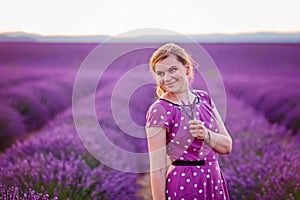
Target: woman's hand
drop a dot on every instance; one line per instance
(198, 130)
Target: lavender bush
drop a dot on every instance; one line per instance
(13, 193)
(279, 100)
(14, 75)
(22, 100)
(55, 162)
(35, 102)
(64, 173)
(56, 95)
(263, 75)
(263, 164)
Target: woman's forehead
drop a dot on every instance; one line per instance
(168, 62)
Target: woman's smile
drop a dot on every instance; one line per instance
(170, 84)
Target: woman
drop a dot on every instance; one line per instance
(184, 138)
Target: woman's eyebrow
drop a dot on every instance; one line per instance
(159, 72)
(172, 66)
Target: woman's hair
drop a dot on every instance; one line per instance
(165, 51)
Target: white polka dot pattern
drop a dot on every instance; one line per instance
(189, 182)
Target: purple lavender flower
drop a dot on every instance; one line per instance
(13, 193)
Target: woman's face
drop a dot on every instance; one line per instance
(171, 75)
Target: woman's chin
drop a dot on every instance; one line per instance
(168, 88)
(171, 90)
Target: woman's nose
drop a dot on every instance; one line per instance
(167, 77)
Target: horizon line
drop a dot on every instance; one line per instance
(246, 37)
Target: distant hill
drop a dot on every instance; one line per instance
(30, 37)
(263, 37)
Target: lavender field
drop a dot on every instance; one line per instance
(51, 149)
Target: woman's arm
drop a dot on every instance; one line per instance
(158, 161)
(221, 142)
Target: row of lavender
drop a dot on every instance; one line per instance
(277, 97)
(36, 82)
(55, 162)
(29, 98)
(264, 76)
(264, 162)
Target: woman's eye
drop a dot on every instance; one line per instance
(173, 69)
(160, 74)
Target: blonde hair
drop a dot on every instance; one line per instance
(182, 56)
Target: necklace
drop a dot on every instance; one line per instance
(189, 109)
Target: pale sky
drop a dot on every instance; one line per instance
(112, 17)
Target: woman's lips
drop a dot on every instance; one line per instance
(168, 84)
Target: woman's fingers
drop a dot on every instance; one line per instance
(196, 125)
(195, 122)
(197, 129)
(194, 131)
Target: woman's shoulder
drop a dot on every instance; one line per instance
(201, 93)
(204, 97)
(160, 113)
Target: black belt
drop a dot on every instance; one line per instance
(188, 163)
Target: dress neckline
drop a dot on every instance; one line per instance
(196, 96)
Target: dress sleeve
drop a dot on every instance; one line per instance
(158, 116)
(205, 97)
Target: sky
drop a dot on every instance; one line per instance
(113, 17)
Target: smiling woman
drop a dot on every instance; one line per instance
(184, 148)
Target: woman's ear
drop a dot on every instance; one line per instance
(187, 70)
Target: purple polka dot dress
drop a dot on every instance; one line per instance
(189, 182)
